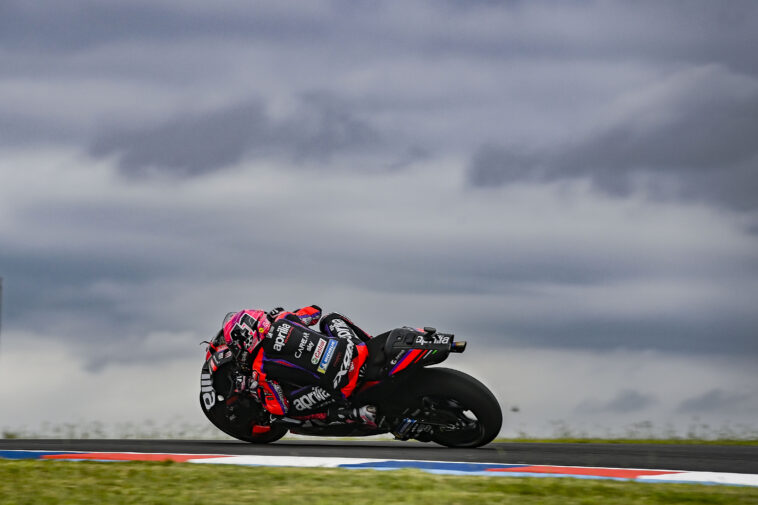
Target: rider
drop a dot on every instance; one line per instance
(296, 371)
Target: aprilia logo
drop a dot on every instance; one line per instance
(206, 388)
(436, 339)
(306, 402)
(282, 334)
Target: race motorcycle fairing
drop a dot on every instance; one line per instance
(413, 402)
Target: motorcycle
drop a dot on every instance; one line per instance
(413, 401)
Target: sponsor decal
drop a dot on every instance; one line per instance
(346, 364)
(397, 357)
(309, 347)
(301, 345)
(278, 389)
(437, 339)
(219, 358)
(319, 351)
(316, 396)
(341, 328)
(206, 388)
(282, 335)
(324, 364)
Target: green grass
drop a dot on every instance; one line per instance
(41, 482)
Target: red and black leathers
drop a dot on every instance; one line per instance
(301, 371)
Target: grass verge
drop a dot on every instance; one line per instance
(41, 482)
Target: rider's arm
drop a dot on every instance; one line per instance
(307, 316)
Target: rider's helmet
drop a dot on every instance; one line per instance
(245, 329)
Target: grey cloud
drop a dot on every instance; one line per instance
(18, 130)
(701, 33)
(122, 277)
(720, 400)
(65, 290)
(629, 401)
(441, 85)
(693, 334)
(418, 91)
(199, 143)
(84, 23)
(123, 271)
(103, 275)
(323, 126)
(694, 139)
(188, 145)
(495, 165)
(626, 401)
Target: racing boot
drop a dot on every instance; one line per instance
(365, 415)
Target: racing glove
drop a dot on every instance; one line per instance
(309, 315)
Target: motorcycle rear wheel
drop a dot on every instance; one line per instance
(456, 396)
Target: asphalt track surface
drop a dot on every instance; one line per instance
(707, 458)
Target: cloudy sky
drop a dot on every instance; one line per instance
(570, 186)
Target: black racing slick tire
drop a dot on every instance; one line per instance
(235, 416)
(245, 430)
(459, 397)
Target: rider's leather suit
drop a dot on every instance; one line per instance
(299, 371)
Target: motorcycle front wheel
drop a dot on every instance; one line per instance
(236, 416)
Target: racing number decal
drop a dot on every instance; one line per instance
(244, 329)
